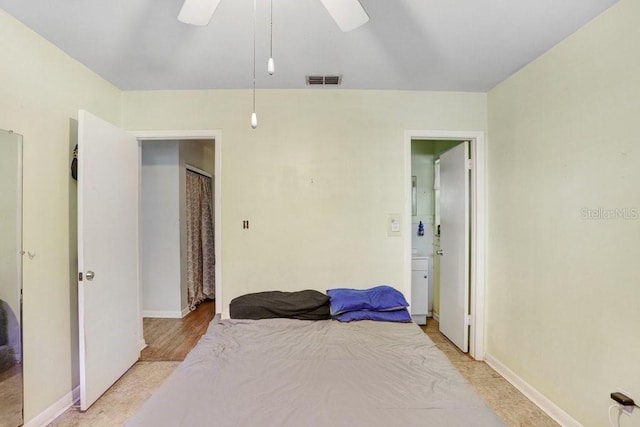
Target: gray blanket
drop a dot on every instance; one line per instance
(284, 372)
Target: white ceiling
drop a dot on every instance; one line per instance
(447, 45)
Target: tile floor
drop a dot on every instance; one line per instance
(121, 401)
(11, 396)
(511, 405)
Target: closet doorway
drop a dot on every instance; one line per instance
(171, 330)
(177, 262)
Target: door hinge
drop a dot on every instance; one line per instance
(467, 320)
(469, 164)
(80, 276)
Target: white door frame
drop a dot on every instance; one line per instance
(478, 225)
(216, 135)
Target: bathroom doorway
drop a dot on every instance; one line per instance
(425, 226)
(471, 319)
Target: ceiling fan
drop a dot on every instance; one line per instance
(348, 14)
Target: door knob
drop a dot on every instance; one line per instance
(90, 275)
(439, 252)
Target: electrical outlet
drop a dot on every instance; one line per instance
(627, 410)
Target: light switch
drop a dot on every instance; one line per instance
(393, 225)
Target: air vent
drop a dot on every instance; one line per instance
(324, 80)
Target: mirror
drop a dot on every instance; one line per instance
(11, 395)
(414, 196)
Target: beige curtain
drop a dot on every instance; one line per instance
(200, 254)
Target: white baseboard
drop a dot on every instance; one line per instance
(163, 314)
(436, 317)
(54, 411)
(553, 410)
(185, 311)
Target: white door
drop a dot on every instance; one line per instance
(454, 245)
(108, 307)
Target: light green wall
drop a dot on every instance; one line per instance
(41, 90)
(563, 298)
(317, 179)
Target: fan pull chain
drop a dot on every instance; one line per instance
(271, 66)
(254, 116)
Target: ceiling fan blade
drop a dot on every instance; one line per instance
(348, 14)
(197, 12)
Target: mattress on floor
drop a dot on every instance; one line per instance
(285, 372)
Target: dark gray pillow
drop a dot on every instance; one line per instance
(303, 305)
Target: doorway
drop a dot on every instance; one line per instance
(475, 317)
(425, 226)
(177, 234)
(194, 137)
(109, 250)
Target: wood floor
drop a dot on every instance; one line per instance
(172, 339)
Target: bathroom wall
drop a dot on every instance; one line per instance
(422, 167)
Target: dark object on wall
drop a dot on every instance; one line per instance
(74, 163)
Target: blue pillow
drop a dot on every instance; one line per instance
(379, 298)
(401, 315)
